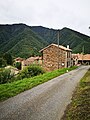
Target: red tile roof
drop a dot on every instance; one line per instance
(81, 56)
(30, 60)
(19, 59)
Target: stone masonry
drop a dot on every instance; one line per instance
(54, 57)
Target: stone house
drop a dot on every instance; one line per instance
(32, 60)
(55, 57)
(18, 59)
(81, 59)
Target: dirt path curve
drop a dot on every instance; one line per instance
(44, 102)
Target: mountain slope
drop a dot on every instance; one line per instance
(50, 35)
(23, 41)
(70, 37)
(20, 40)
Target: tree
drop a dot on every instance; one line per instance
(2, 63)
(8, 58)
(18, 65)
(5, 75)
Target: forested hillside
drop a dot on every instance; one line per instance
(74, 39)
(20, 40)
(24, 41)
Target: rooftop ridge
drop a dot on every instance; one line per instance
(60, 46)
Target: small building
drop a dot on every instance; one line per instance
(19, 59)
(83, 59)
(31, 60)
(55, 57)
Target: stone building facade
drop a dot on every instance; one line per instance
(55, 57)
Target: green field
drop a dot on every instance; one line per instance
(11, 89)
(79, 109)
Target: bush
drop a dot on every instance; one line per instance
(5, 75)
(8, 58)
(30, 71)
(18, 65)
(2, 63)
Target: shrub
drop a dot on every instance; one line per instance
(2, 63)
(30, 71)
(8, 58)
(5, 75)
(18, 65)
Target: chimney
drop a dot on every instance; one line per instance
(68, 46)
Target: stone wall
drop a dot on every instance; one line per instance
(69, 61)
(51, 58)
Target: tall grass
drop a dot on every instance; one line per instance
(11, 89)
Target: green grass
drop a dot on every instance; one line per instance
(79, 109)
(11, 89)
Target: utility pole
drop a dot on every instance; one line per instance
(58, 47)
(82, 53)
(83, 49)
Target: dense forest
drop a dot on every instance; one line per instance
(24, 41)
(20, 40)
(78, 42)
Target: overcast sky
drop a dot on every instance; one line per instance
(74, 14)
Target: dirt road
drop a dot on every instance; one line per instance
(44, 102)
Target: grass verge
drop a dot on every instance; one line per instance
(11, 89)
(79, 108)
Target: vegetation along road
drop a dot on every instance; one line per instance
(44, 102)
